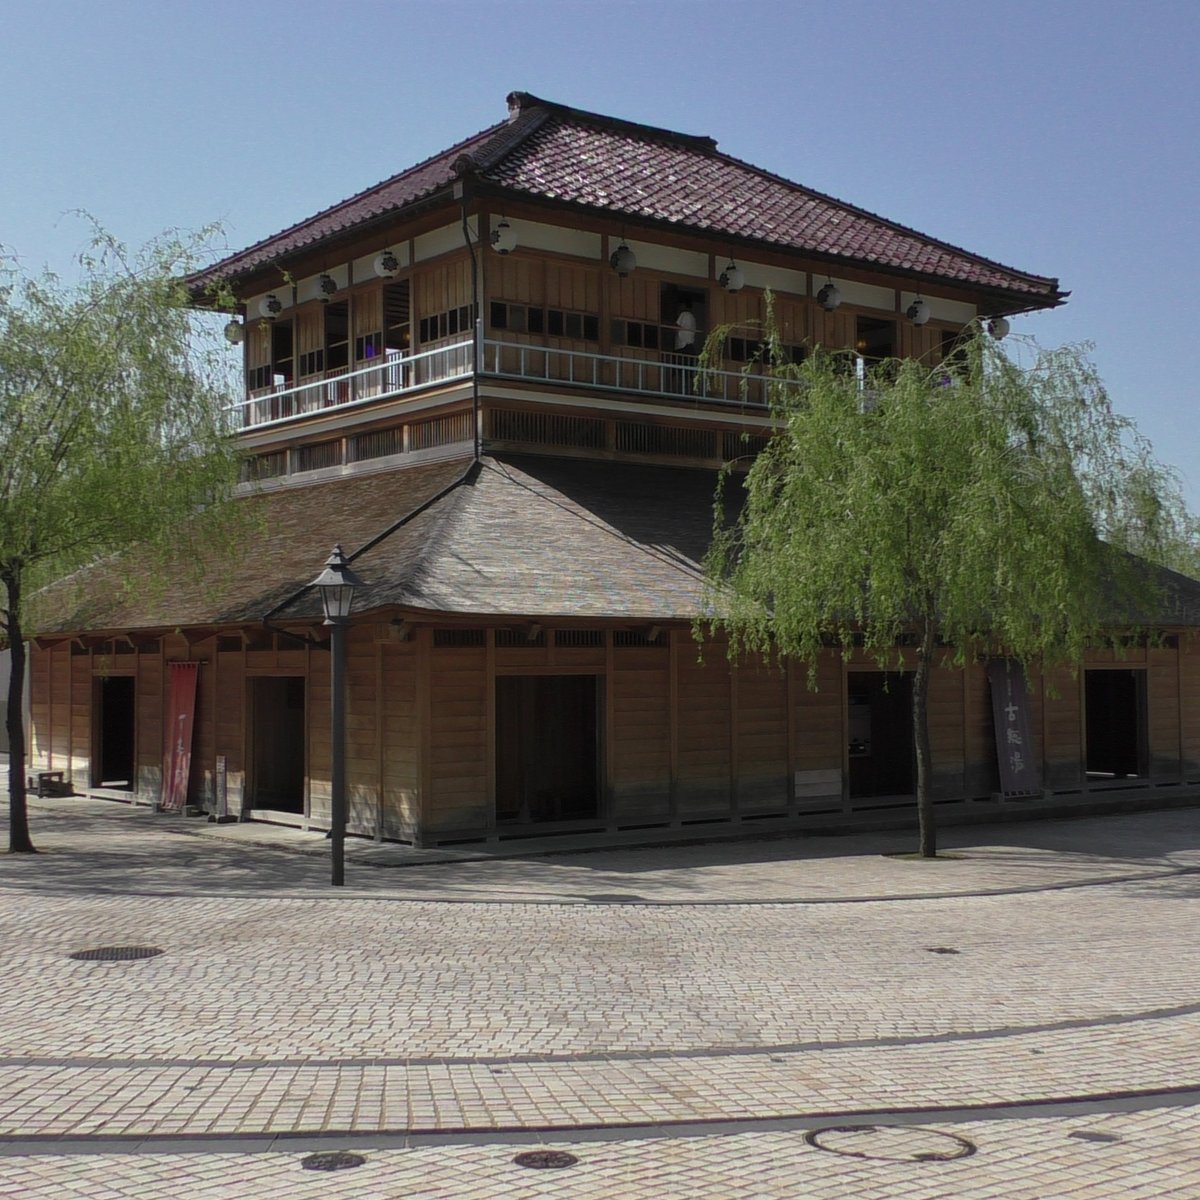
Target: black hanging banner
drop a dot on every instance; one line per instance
(1019, 775)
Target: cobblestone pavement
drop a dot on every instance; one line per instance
(736, 997)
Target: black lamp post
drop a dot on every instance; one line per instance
(337, 583)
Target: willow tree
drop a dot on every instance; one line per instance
(112, 434)
(979, 507)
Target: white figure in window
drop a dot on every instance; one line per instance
(685, 327)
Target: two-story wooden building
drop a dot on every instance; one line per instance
(480, 378)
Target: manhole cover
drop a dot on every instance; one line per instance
(890, 1143)
(545, 1160)
(115, 953)
(332, 1160)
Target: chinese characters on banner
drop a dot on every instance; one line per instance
(1019, 773)
(181, 714)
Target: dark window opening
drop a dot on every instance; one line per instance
(277, 745)
(683, 313)
(547, 748)
(367, 347)
(880, 732)
(397, 317)
(337, 335)
(114, 766)
(1115, 716)
(282, 350)
(875, 340)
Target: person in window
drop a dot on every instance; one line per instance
(685, 327)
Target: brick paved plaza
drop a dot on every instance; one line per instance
(1021, 1021)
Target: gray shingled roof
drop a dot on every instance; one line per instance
(517, 537)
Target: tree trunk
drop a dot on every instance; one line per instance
(920, 712)
(19, 841)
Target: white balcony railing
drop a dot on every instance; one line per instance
(661, 374)
(392, 376)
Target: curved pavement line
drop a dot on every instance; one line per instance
(606, 900)
(512, 1060)
(291, 1142)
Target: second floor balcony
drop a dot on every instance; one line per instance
(650, 374)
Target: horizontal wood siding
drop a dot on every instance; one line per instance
(1062, 720)
(1162, 712)
(704, 740)
(458, 768)
(399, 723)
(640, 783)
(1189, 699)
(362, 750)
(762, 737)
(150, 699)
(231, 723)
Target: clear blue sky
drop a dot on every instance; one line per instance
(1060, 138)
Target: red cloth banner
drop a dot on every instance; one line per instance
(181, 716)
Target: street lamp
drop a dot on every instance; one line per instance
(336, 584)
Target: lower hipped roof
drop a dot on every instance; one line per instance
(510, 537)
(519, 536)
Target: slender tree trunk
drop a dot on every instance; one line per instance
(19, 841)
(920, 713)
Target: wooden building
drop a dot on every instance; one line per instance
(479, 379)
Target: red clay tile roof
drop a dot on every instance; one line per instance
(549, 152)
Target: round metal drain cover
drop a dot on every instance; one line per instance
(332, 1160)
(545, 1160)
(890, 1143)
(115, 953)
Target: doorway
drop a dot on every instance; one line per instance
(1115, 715)
(547, 748)
(277, 745)
(880, 729)
(115, 728)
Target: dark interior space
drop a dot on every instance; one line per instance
(277, 767)
(116, 751)
(1116, 728)
(546, 748)
(880, 732)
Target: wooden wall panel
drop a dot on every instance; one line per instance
(400, 732)
(366, 306)
(981, 771)
(703, 736)
(640, 734)
(458, 768)
(439, 288)
(946, 735)
(60, 702)
(231, 723)
(820, 732)
(316, 700)
(362, 750)
(1062, 724)
(761, 730)
(81, 719)
(1189, 699)
(1162, 712)
(150, 700)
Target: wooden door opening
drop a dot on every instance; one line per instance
(547, 748)
(880, 733)
(1115, 715)
(277, 744)
(115, 733)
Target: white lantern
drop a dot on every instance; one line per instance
(732, 278)
(234, 332)
(328, 286)
(386, 264)
(270, 306)
(623, 260)
(918, 312)
(829, 297)
(504, 238)
(998, 327)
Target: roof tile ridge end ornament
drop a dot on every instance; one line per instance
(526, 100)
(507, 138)
(857, 210)
(199, 279)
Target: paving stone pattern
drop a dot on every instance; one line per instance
(723, 984)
